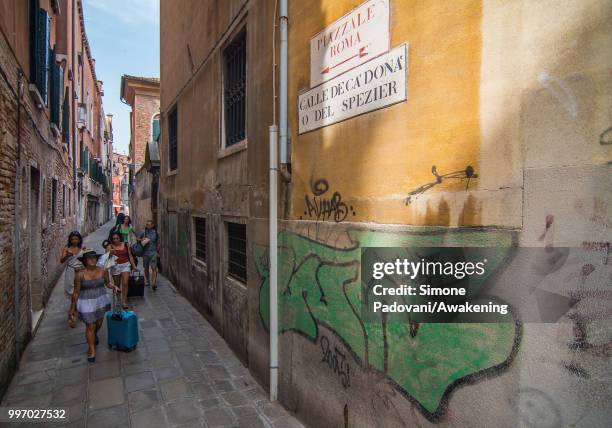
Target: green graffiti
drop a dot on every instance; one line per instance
(320, 285)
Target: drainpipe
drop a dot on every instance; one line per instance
(17, 230)
(273, 262)
(274, 170)
(284, 155)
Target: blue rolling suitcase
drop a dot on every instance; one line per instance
(122, 328)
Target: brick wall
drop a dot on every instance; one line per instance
(145, 106)
(43, 159)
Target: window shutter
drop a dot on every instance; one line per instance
(42, 52)
(56, 83)
(60, 86)
(155, 129)
(66, 116)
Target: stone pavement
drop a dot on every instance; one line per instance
(181, 374)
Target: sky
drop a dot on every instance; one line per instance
(124, 39)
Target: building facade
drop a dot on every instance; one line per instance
(106, 160)
(121, 178)
(499, 136)
(40, 41)
(92, 177)
(142, 94)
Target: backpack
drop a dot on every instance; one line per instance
(137, 249)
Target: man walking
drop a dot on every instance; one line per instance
(149, 239)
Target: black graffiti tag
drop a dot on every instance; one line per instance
(322, 208)
(336, 361)
(468, 173)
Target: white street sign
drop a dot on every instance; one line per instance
(378, 83)
(357, 37)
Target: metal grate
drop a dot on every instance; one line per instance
(54, 201)
(234, 90)
(237, 258)
(200, 238)
(173, 139)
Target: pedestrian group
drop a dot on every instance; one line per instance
(89, 274)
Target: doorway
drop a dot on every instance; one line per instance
(35, 267)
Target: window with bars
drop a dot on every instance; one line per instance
(234, 90)
(173, 139)
(44, 201)
(236, 257)
(199, 227)
(54, 201)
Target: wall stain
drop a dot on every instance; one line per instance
(470, 214)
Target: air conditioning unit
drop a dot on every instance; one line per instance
(82, 116)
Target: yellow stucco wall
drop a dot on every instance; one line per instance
(376, 159)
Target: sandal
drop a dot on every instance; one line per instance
(91, 359)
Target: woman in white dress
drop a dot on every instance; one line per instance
(71, 254)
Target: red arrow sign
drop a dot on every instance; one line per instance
(362, 52)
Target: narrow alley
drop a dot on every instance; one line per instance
(364, 213)
(181, 374)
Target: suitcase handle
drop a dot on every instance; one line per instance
(117, 309)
